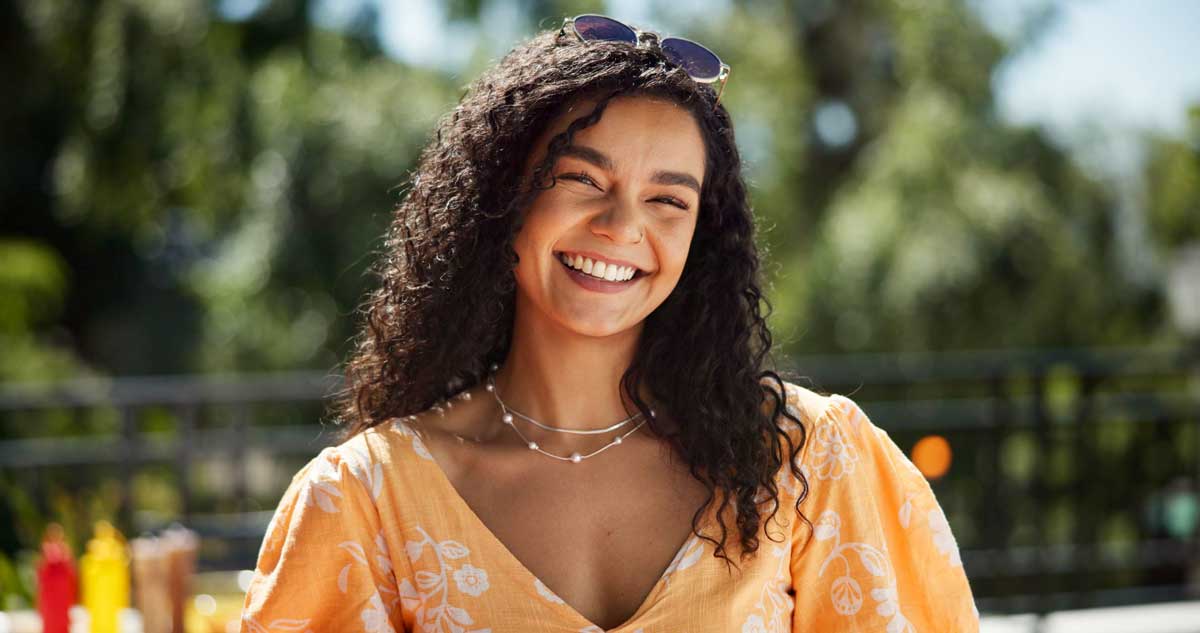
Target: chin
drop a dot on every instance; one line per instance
(599, 328)
(592, 325)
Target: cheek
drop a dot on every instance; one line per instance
(674, 252)
(539, 230)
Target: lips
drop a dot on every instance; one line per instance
(593, 259)
(595, 284)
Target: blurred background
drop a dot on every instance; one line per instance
(981, 220)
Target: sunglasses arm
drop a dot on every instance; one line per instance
(725, 71)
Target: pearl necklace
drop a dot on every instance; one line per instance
(575, 458)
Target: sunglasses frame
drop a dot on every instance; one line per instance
(654, 38)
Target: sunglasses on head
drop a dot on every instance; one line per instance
(701, 64)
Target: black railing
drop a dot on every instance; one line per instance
(1075, 480)
(1076, 472)
(167, 426)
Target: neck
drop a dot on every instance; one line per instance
(564, 379)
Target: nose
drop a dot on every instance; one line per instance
(621, 222)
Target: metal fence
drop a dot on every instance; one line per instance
(1075, 472)
(1074, 482)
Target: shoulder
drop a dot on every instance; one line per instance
(809, 407)
(338, 473)
(836, 439)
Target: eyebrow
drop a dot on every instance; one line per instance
(661, 177)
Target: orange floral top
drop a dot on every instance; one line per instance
(371, 536)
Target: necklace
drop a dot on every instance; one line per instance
(491, 386)
(575, 458)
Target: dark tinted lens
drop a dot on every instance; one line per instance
(699, 62)
(598, 27)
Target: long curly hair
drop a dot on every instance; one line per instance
(443, 310)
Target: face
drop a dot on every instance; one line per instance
(627, 192)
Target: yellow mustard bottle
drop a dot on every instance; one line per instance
(104, 576)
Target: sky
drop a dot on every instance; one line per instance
(1127, 63)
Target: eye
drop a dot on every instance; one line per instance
(675, 202)
(581, 177)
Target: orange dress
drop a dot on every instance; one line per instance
(371, 536)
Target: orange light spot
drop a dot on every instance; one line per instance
(932, 455)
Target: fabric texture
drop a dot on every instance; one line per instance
(371, 536)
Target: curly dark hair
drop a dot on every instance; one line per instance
(443, 310)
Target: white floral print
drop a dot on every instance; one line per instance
(429, 599)
(321, 490)
(323, 484)
(846, 593)
(943, 538)
(774, 606)
(687, 556)
(401, 427)
(471, 580)
(357, 459)
(381, 570)
(835, 456)
(866, 568)
(905, 514)
(754, 624)
(889, 608)
(375, 617)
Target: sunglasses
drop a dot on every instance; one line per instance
(701, 64)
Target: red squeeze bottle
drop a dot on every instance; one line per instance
(56, 581)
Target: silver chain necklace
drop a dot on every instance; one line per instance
(575, 458)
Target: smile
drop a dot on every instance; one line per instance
(599, 269)
(590, 282)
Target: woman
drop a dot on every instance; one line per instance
(577, 246)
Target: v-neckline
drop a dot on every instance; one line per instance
(530, 579)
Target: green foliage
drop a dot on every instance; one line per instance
(1173, 185)
(16, 588)
(212, 190)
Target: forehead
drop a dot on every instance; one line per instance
(635, 131)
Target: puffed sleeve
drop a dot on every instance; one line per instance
(324, 564)
(880, 556)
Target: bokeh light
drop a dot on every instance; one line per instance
(932, 456)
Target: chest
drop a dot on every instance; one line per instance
(597, 534)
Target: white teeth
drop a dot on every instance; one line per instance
(609, 272)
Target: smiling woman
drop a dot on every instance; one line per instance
(560, 414)
(622, 202)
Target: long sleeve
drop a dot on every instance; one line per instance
(881, 556)
(324, 564)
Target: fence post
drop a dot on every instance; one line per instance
(1041, 421)
(1085, 531)
(240, 486)
(129, 463)
(186, 425)
(998, 522)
